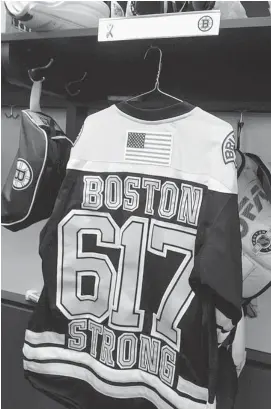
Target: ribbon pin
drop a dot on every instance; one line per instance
(109, 32)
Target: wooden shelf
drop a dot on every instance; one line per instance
(230, 71)
(254, 22)
(46, 35)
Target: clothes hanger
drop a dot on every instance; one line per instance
(156, 86)
(67, 86)
(240, 125)
(35, 74)
(240, 157)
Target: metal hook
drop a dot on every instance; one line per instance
(160, 63)
(11, 115)
(35, 73)
(73, 94)
(240, 125)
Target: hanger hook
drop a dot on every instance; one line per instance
(239, 130)
(241, 120)
(152, 47)
(35, 73)
(73, 94)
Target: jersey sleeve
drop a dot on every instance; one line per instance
(217, 267)
(37, 172)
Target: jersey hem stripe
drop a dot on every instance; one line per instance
(68, 372)
(45, 354)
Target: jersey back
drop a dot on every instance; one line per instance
(144, 229)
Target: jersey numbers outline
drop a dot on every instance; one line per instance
(118, 293)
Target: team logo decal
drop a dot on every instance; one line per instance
(228, 149)
(261, 241)
(23, 175)
(205, 23)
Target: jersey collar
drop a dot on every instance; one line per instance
(157, 114)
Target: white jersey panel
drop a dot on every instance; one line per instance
(196, 146)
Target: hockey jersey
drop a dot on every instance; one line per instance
(141, 260)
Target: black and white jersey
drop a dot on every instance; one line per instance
(142, 248)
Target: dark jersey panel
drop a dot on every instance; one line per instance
(140, 231)
(218, 253)
(117, 255)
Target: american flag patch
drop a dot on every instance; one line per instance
(147, 147)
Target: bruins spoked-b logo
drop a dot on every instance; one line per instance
(261, 241)
(23, 175)
(205, 23)
(228, 149)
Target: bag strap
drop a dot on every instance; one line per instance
(35, 96)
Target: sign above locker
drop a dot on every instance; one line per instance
(192, 24)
